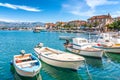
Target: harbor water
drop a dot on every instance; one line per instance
(11, 42)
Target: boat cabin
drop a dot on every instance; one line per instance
(79, 43)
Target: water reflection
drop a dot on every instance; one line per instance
(94, 62)
(18, 77)
(60, 73)
(114, 57)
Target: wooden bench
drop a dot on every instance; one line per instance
(27, 62)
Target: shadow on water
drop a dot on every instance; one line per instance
(60, 73)
(114, 57)
(94, 62)
(18, 77)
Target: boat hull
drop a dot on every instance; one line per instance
(74, 65)
(26, 68)
(113, 50)
(97, 54)
(26, 74)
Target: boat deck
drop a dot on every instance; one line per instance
(24, 61)
(22, 57)
(26, 64)
(116, 45)
(59, 55)
(91, 49)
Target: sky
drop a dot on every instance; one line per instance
(56, 10)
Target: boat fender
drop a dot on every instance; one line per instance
(98, 44)
(11, 62)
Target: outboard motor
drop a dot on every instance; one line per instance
(22, 52)
(40, 45)
(67, 42)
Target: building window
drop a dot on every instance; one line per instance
(89, 21)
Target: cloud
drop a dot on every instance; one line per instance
(71, 9)
(115, 14)
(86, 8)
(22, 7)
(86, 13)
(7, 20)
(15, 20)
(94, 3)
(77, 8)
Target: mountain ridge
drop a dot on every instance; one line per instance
(20, 24)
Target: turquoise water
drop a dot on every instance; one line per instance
(11, 42)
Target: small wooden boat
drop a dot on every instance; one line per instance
(26, 65)
(59, 58)
(82, 47)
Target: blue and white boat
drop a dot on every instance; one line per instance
(26, 64)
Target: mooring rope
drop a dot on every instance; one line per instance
(109, 60)
(105, 54)
(90, 77)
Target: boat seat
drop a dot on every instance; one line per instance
(20, 56)
(27, 62)
(23, 58)
(26, 65)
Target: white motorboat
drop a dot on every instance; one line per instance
(82, 47)
(108, 47)
(26, 65)
(59, 58)
(108, 43)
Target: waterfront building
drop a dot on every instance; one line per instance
(77, 23)
(49, 25)
(60, 24)
(100, 21)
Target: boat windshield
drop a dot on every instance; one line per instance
(82, 41)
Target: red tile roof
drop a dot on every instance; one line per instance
(100, 17)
